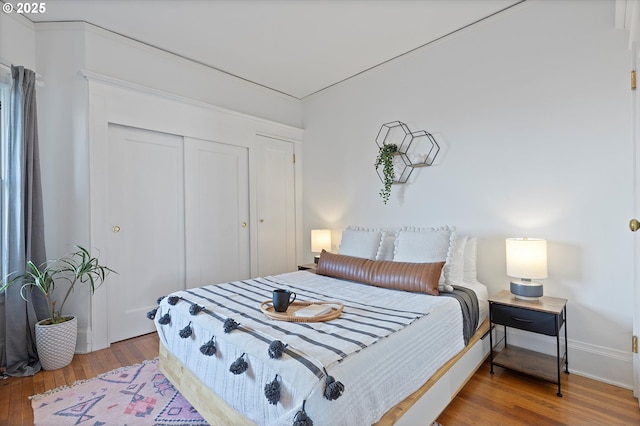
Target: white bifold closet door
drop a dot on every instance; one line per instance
(275, 206)
(217, 212)
(146, 239)
(178, 217)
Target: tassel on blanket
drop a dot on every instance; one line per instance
(332, 388)
(195, 309)
(272, 391)
(152, 314)
(186, 332)
(276, 348)
(230, 325)
(165, 319)
(239, 366)
(209, 348)
(301, 418)
(172, 300)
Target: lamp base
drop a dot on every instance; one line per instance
(526, 290)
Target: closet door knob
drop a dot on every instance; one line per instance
(116, 229)
(634, 225)
(244, 224)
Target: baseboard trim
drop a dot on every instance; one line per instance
(83, 345)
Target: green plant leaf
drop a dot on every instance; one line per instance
(78, 266)
(385, 159)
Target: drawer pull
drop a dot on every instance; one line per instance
(521, 320)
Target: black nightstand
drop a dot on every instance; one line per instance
(544, 316)
(311, 267)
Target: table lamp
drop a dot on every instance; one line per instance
(527, 260)
(320, 240)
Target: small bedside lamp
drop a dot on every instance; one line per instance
(320, 240)
(527, 260)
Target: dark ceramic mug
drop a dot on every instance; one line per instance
(282, 299)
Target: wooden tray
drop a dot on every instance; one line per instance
(267, 308)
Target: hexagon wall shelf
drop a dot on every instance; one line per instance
(415, 149)
(425, 148)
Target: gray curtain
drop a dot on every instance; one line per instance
(22, 222)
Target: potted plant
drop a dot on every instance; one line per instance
(56, 335)
(385, 159)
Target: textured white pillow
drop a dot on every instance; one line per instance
(361, 242)
(426, 245)
(470, 255)
(455, 273)
(387, 246)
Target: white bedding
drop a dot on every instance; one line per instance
(375, 378)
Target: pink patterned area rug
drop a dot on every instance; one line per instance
(135, 395)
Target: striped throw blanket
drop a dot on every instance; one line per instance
(227, 318)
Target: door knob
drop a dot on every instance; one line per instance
(634, 225)
(243, 224)
(116, 229)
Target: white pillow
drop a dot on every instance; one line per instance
(361, 242)
(470, 254)
(455, 273)
(387, 246)
(424, 245)
(427, 245)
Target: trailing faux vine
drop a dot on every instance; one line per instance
(385, 159)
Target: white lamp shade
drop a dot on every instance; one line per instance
(526, 258)
(320, 240)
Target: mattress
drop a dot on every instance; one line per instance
(385, 345)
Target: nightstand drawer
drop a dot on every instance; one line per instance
(525, 319)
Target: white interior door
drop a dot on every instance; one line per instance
(276, 206)
(146, 216)
(636, 244)
(217, 212)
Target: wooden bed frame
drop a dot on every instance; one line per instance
(422, 407)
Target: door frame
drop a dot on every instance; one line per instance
(627, 17)
(635, 137)
(300, 251)
(261, 145)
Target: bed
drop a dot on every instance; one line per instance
(392, 355)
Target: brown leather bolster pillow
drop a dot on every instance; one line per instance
(416, 277)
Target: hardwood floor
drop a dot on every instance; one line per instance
(504, 398)
(15, 406)
(508, 398)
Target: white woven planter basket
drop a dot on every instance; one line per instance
(56, 343)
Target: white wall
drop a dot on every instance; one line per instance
(532, 109)
(17, 40)
(118, 57)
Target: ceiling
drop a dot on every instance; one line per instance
(296, 47)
